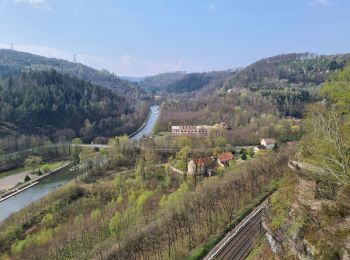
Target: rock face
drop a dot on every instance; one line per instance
(305, 227)
(285, 239)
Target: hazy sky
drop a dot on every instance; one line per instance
(144, 37)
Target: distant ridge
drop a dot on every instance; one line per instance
(16, 61)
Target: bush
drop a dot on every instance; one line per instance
(27, 178)
(48, 220)
(45, 168)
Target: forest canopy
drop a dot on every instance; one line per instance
(42, 102)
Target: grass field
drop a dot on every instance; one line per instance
(47, 166)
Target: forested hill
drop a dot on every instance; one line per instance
(195, 81)
(46, 102)
(181, 82)
(286, 70)
(16, 62)
(161, 81)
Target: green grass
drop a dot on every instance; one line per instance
(53, 165)
(50, 166)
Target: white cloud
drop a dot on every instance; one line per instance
(321, 2)
(43, 4)
(125, 65)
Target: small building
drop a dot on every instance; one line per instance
(201, 166)
(225, 158)
(269, 143)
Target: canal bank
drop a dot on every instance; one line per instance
(57, 179)
(32, 182)
(142, 127)
(42, 188)
(149, 124)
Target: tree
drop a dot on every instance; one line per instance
(48, 220)
(251, 152)
(145, 165)
(338, 89)
(244, 153)
(76, 158)
(216, 151)
(33, 162)
(220, 170)
(77, 141)
(182, 158)
(326, 143)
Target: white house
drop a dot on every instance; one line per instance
(269, 143)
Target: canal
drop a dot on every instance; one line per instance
(152, 120)
(56, 180)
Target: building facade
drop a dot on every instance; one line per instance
(200, 130)
(201, 166)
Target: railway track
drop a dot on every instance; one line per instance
(241, 240)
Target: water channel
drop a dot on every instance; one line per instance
(58, 179)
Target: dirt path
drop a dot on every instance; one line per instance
(12, 180)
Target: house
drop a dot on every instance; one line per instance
(269, 143)
(225, 158)
(201, 166)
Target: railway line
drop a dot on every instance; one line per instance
(239, 242)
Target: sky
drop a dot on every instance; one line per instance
(146, 37)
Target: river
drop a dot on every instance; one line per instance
(56, 180)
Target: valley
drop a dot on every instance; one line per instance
(170, 171)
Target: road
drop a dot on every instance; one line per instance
(239, 242)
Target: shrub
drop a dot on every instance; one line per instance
(45, 168)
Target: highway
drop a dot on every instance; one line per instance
(239, 242)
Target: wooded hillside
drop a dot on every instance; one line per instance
(47, 101)
(16, 62)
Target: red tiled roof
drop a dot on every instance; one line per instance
(225, 157)
(203, 161)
